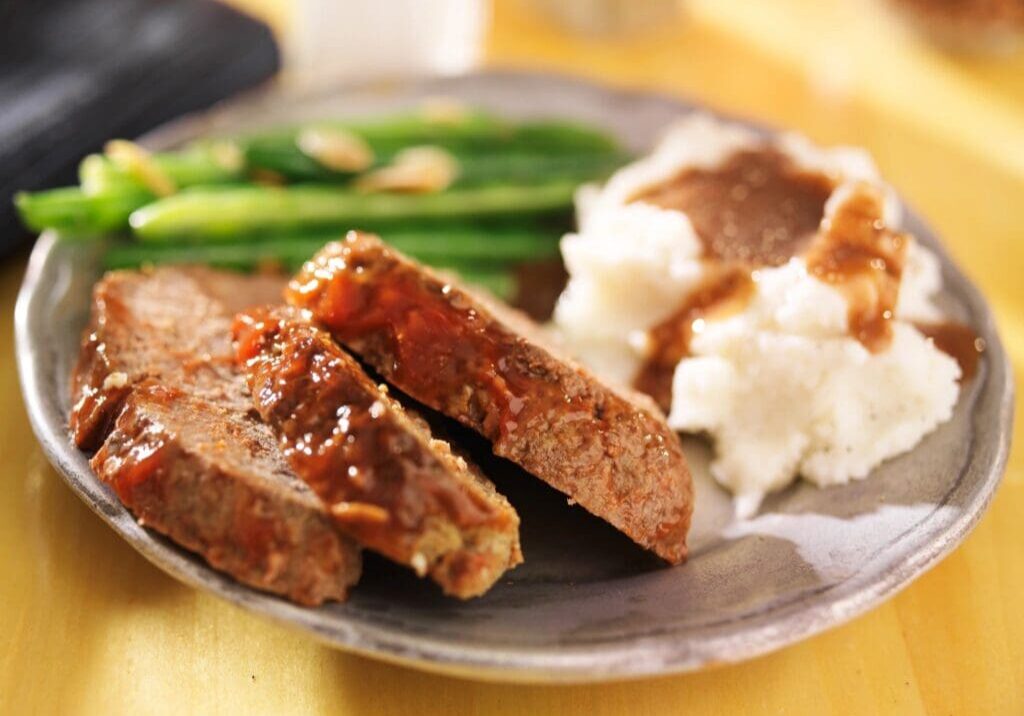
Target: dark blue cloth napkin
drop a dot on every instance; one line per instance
(75, 73)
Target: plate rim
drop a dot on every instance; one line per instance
(601, 661)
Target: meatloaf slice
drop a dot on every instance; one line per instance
(212, 479)
(186, 455)
(609, 449)
(172, 324)
(386, 480)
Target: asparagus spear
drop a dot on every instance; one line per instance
(224, 214)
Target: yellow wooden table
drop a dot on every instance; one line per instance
(88, 626)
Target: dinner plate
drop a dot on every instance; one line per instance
(587, 604)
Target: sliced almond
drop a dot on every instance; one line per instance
(115, 380)
(359, 512)
(136, 161)
(417, 170)
(227, 155)
(444, 110)
(419, 564)
(335, 148)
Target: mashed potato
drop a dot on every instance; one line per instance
(780, 386)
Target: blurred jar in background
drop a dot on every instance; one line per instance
(978, 26)
(330, 40)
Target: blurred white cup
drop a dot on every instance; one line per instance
(379, 39)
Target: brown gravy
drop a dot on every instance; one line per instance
(757, 207)
(861, 257)
(728, 291)
(957, 341)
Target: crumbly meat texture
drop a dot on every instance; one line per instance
(157, 390)
(213, 480)
(387, 482)
(608, 449)
(170, 324)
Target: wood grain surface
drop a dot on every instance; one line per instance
(87, 626)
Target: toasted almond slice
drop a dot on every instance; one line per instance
(335, 148)
(444, 110)
(416, 170)
(137, 162)
(227, 155)
(419, 564)
(359, 512)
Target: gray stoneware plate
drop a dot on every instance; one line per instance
(587, 605)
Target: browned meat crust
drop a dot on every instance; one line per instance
(173, 324)
(213, 480)
(386, 481)
(186, 455)
(608, 449)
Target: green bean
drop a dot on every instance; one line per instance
(71, 210)
(483, 145)
(289, 255)
(526, 168)
(474, 129)
(443, 245)
(475, 169)
(562, 136)
(98, 176)
(290, 162)
(194, 166)
(502, 284)
(492, 153)
(532, 143)
(241, 256)
(224, 214)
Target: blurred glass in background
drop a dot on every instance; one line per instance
(331, 40)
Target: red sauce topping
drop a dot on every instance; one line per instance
(860, 256)
(96, 408)
(428, 341)
(140, 464)
(444, 347)
(146, 455)
(958, 341)
(757, 207)
(345, 439)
